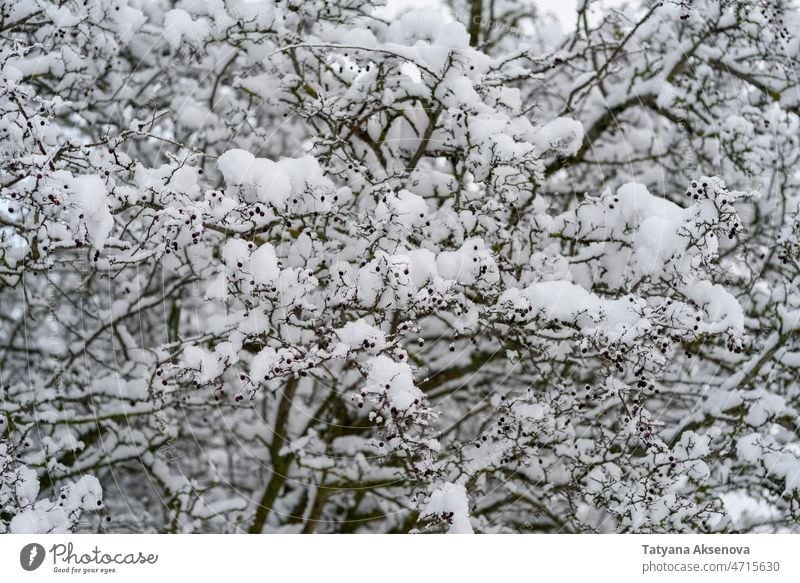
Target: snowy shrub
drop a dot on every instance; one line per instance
(327, 265)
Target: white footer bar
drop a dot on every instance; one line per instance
(386, 558)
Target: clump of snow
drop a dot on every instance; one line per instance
(235, 252)
(563, 301)
(776, 460)
(261, 366)
(264, 267)
(562, 135)
(393, 381)
(469, 264)
(422, 266)
(44, 516)
(449, 502)
(218, 288)
(179, 26)
(405, 210)
(236, 166)
(360, 334)
(274, 182)
(202, 362)
(91, 211)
